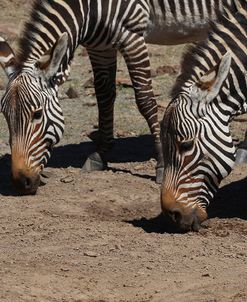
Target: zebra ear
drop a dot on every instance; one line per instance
(210, 84)
(51, 62)
(7, 58)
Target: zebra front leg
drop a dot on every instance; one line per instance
(136, 56)
(104, 69)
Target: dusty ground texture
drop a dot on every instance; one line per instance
(100, 237)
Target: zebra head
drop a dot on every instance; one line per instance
(32, 111)
(197, 146)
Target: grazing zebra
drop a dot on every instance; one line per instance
(53, 32)
(198, 147)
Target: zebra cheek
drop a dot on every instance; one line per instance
(167, 199)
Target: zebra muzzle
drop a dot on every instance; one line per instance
(185, 222)
(26, 184)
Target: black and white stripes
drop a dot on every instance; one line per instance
(198, 147)
(54, 31)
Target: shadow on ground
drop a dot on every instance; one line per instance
(231, 201)
(160, 224)
(131, 149)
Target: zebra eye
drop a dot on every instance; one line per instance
(37, 115)
(186, 145)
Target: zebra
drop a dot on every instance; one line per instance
(45, 50)
(197, 143)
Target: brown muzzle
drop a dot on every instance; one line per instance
(187, 217)
(25, 179)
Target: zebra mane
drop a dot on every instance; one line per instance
(191, 63)
(25, 42)
(167, 120)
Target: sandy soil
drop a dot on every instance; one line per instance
(100, 237)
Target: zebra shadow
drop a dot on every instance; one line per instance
(6, 187)
(130, 149)
(159, 224)
(230, 202)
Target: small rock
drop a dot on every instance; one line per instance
(149, 268)
(124, 82)
(89, 92)
(67, 179)
(158, 93)
(72, 93)
(138, 167)
(121, 133)
(167, 69)
(64, 269)
(90, 254)
(89, 83)
(223, 233)
(205, 275)
(118, 247)
(90, 104)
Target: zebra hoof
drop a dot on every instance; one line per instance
(159, 175)
(94, 163)
(241, 156)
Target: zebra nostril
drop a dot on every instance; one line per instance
(27, 183)
(177, 216)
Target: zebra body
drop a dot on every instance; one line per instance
(42, 64)
(177, 22)
(198, 146)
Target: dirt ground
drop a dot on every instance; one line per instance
(100, 237)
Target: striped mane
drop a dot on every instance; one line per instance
(26, 41)
(192, 67)
(48, 20)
